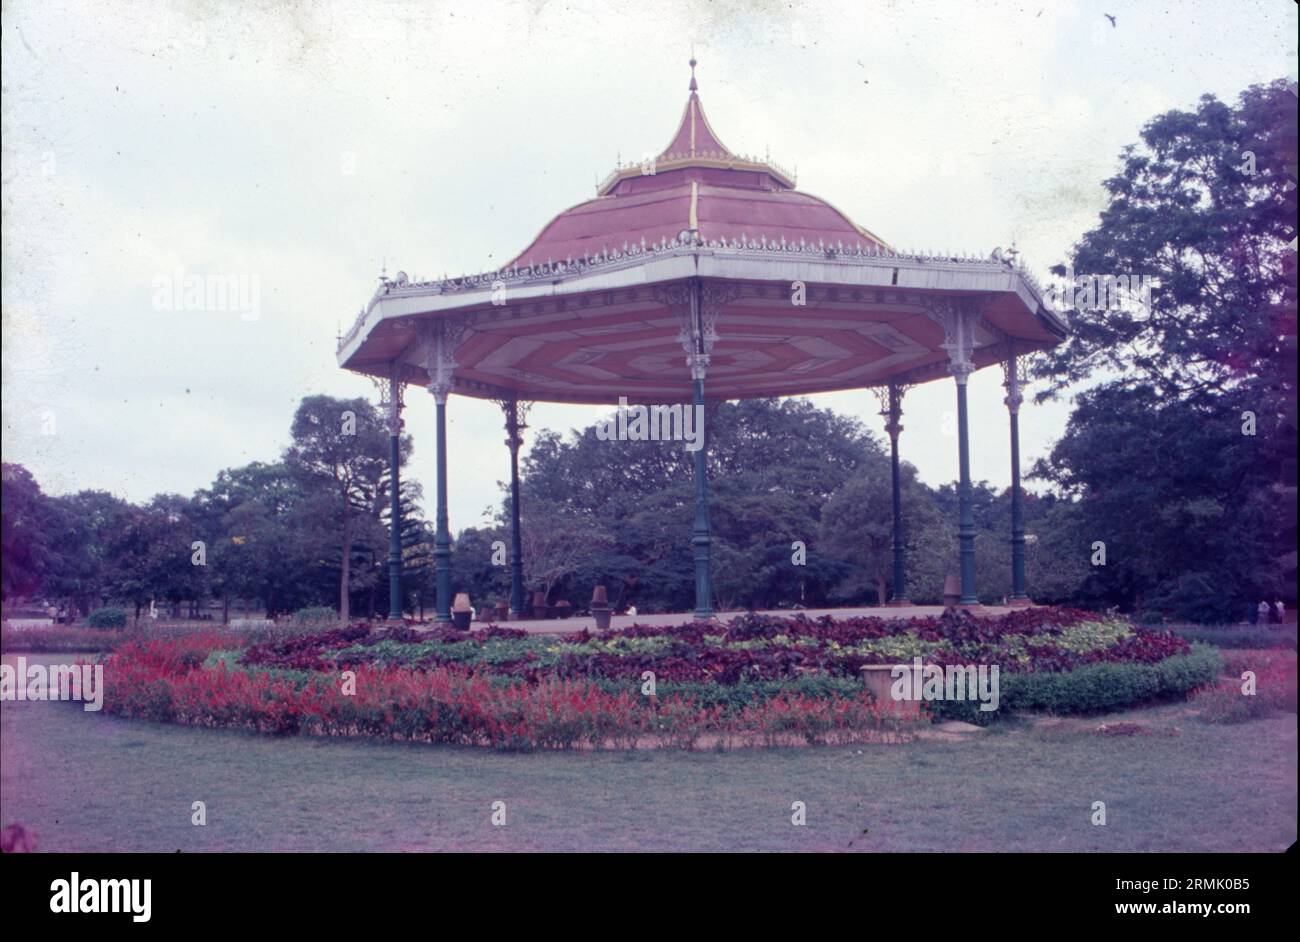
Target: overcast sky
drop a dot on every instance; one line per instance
(306, 145)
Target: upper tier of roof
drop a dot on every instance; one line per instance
(695, 186)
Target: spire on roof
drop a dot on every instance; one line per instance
(694, 137)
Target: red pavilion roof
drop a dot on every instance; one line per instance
(594, 309)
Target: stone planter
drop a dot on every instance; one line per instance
(503, 611)
(461, 611)
(879, 681)
(563, 609)
(539, 605)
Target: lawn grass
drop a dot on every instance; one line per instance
(89, 782)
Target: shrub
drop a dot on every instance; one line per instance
(59, 638)
(1240, 636)
(107, 618)
(315, 615)
(1095, 688)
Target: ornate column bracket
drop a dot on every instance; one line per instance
(392, 398)
(713, 299)
(441, 339)
(516, 413)
(698, 308)
(1015, 372)
(957, 317)
(891, 405)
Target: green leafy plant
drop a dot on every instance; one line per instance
(107, 618)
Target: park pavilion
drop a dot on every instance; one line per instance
(703, 275)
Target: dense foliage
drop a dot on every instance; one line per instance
(1181, 458)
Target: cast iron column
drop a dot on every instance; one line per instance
(965, 499)
(893, 425)
(440, 342)
(1013, 400)
(698, 361)
(514, 427)
(395, 506)
(700, 538)
(442, 534)
(957, 317)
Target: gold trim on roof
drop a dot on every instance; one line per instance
(678, 162)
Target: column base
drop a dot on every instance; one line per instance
(1022, 602)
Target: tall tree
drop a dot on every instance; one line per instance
(25, 523)
(339, 450)
(1206, 204)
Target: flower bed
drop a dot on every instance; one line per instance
(172, 681)
(756, 680)
(752, 648)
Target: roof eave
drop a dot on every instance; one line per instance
(884, 270)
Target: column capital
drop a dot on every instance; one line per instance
(516, 413)
(392, 399)
(891, 404)
(957, 317)
(440, 340)
(698, 306)
(1015, 378)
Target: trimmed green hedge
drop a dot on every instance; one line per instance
(1282, 636)
(1097, 688)
(109, 618)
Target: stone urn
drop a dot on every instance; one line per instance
(461, 611)
(951, 591)
(503, 611)
(600, 609)
(563, 609)
(539, 605)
